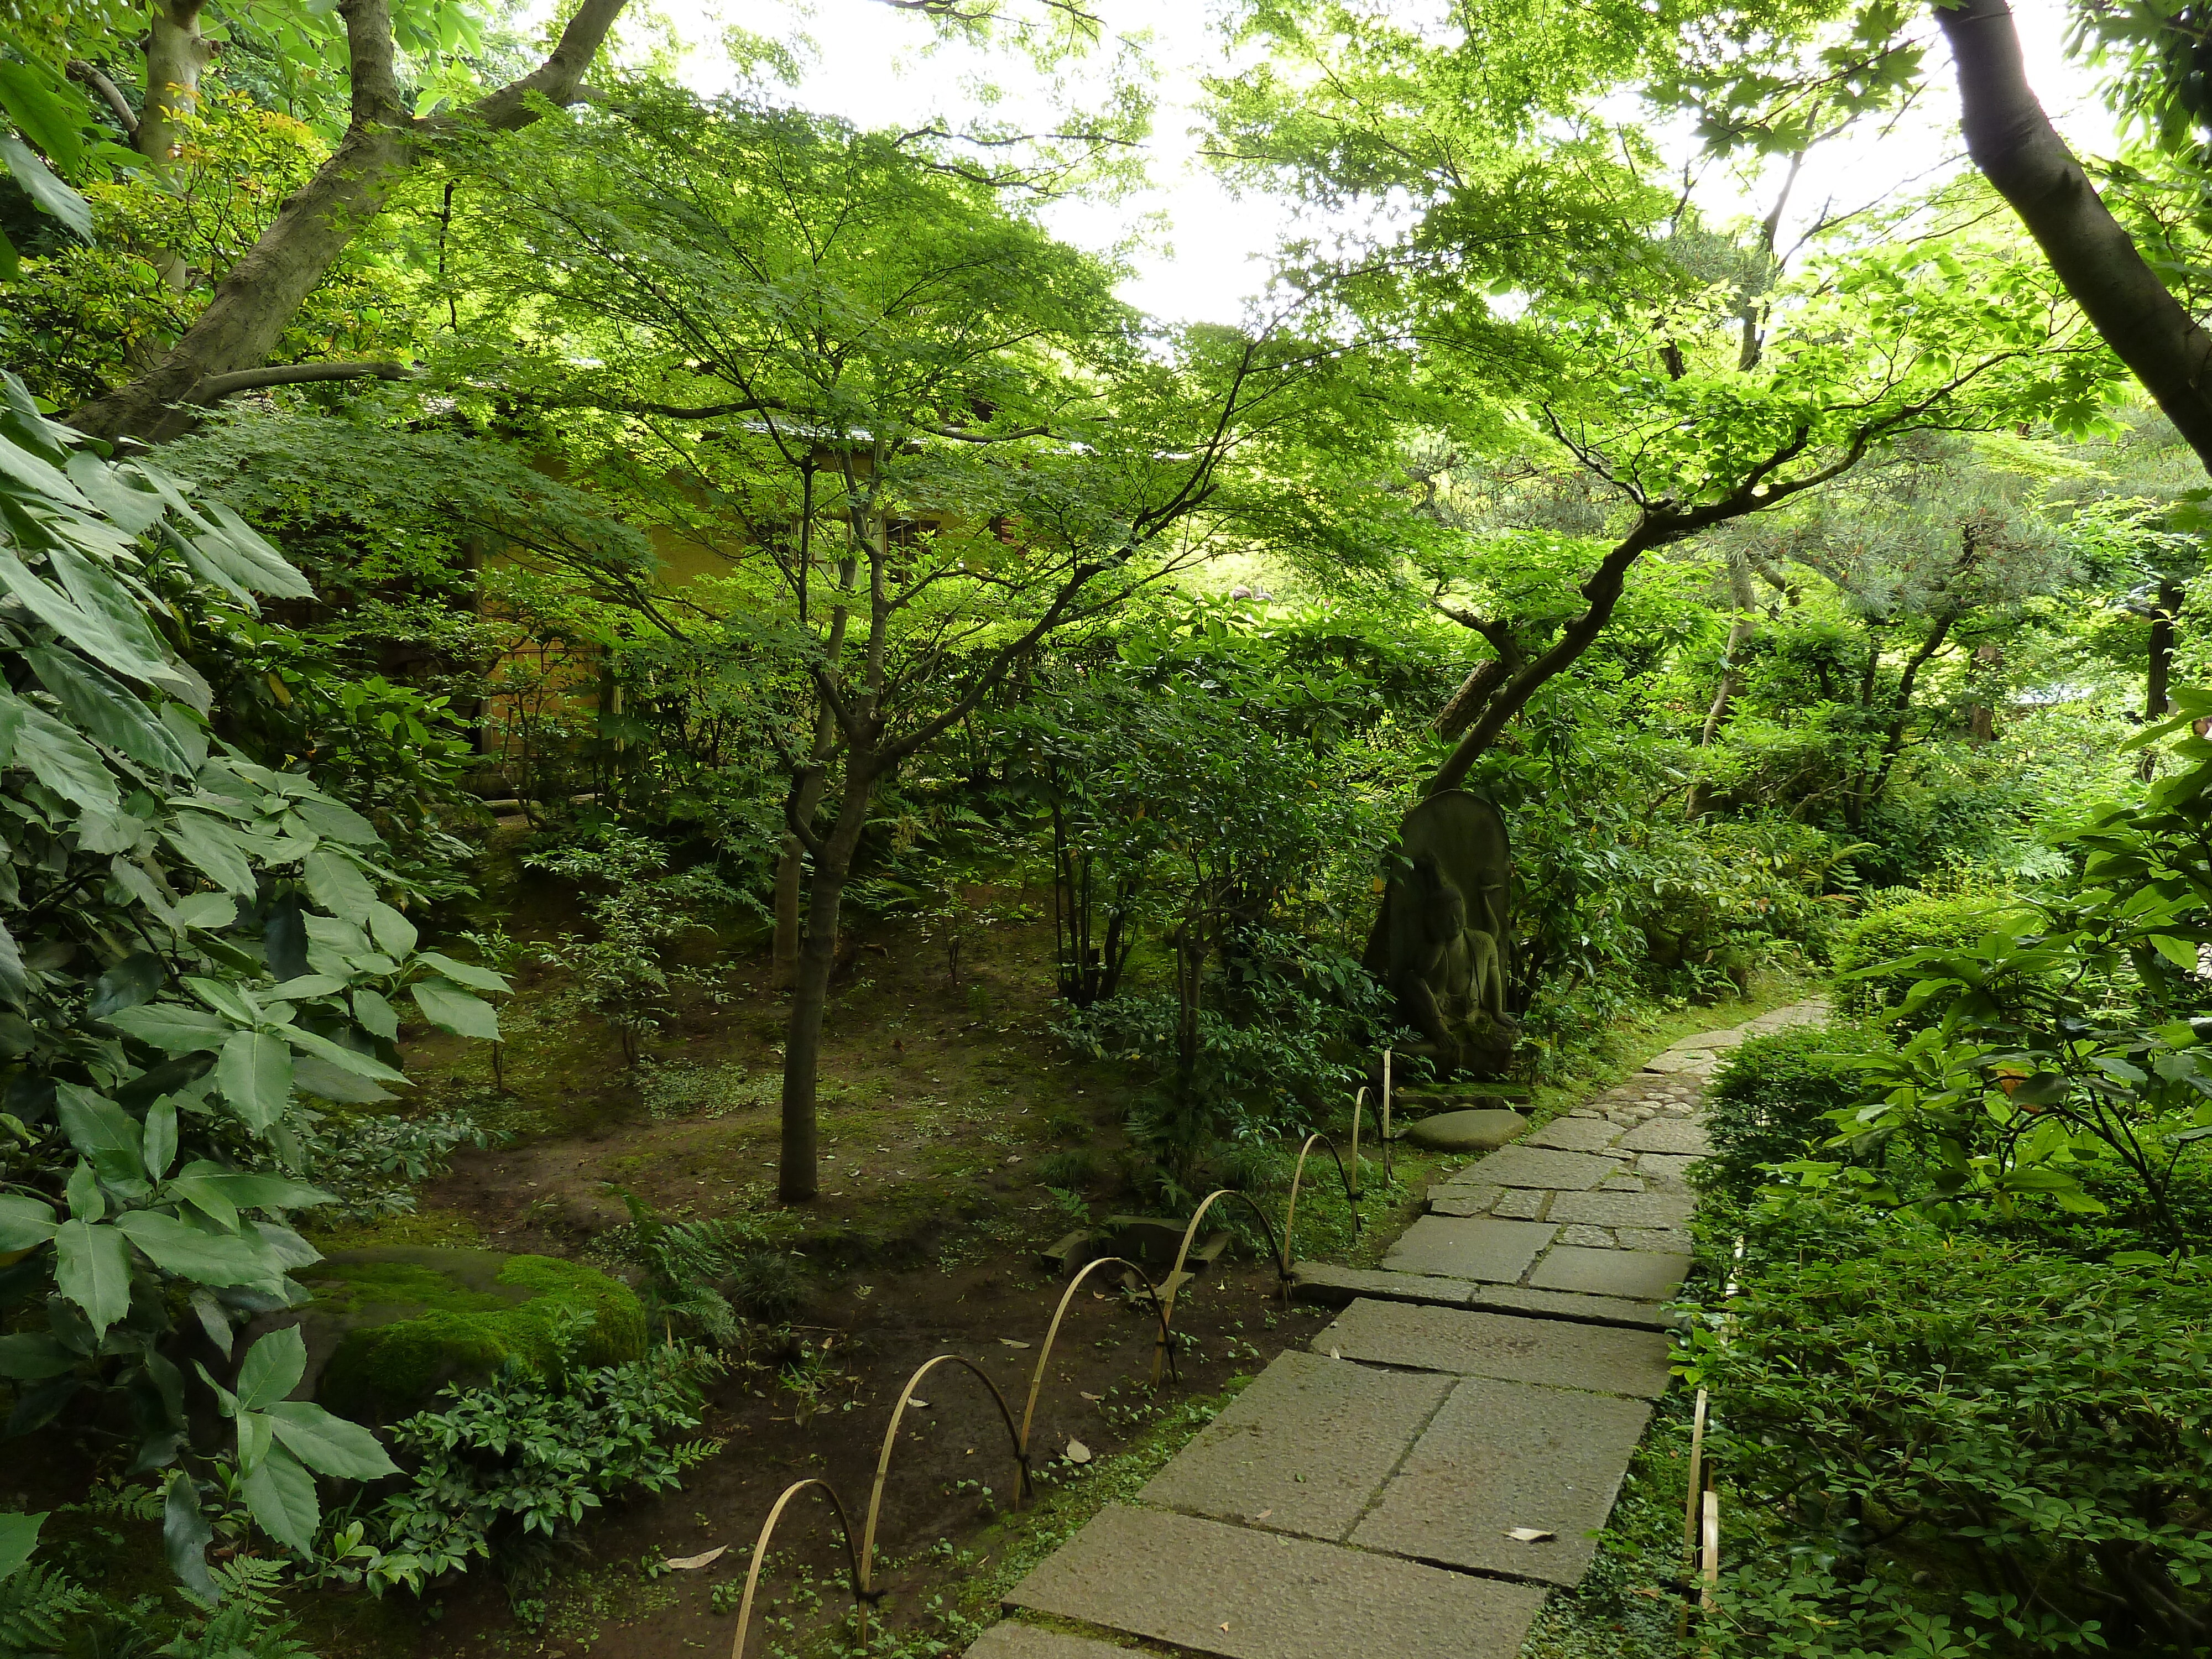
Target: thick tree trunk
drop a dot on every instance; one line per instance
(2014, 143)
(258, 296)
(1602, 592)
(809, 997)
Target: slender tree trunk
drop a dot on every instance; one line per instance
(2018, 150)
(258, 296)
(177, 55)
(2172, 595)
(796, 1180)
(2159, 671)
(1741, 632)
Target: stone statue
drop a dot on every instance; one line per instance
(1441, 941)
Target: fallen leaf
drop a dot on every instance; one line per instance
(970, 1452)
(1646, 1590)
(1011, 1343)
(1334, 1354)
(707, 1560)
(865, 1290)
(1224, 1625)
(924, 1404)
(1078, 1452)
(1530, 1534)
(1093, 1398)
(1263, 1515)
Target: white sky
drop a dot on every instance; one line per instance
(1204, 253)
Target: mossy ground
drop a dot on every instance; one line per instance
(464, 1314)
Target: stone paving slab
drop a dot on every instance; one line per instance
(1476, 1129)
(1574, 1134)
(1478, 1201)
(1641, 1275)
(1602, 1358)
(1581, 1309)
(1679, 1136)
(1697, 1062)
(1498, 1252)
(1303, 1450)
(1505, 1455)
(1622, 1209)
(1334, 1286)
(1222, 1589)
(1540, 1167)
(1671, 1170)
(1008, 1640)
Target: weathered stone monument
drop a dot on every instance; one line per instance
(1442, 939)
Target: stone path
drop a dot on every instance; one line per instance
(1415, 1484)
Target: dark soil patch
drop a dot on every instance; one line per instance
(958, 1139)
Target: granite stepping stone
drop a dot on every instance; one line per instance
(1327, 1283)
(1474, 1130)
(1497, 1251)
(1574, 1134)
(1639, 1275)
(1303, 1450)
(1679, 1136)
(1008, 1640)
(1217, 1588)
(1502, 1455)
(1544, 1167)
(1602, 1358)
(1624, 1209)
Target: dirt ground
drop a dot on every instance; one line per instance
(958, 1140)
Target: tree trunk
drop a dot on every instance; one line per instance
(2172, 595)
(258, 296)
(2014, 143)
(1602, 592)
(1741, 632)
(177, 54)
(790, 864)
(810, 996)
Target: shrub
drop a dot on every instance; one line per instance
(1769, 1099)
(1928, 922)
(1958, 1429)
(525, 1458)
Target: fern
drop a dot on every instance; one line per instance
(37, 1607)
(242, 1631)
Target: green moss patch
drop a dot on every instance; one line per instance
(393, 1325)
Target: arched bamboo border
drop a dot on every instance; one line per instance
(1160, 1310)
(1291, 1206)
(890, 1443)
(861, 1598)
(1183, 1254)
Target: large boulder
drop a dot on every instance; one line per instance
(391, 1326)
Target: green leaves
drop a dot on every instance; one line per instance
(272, 1369)
(450, 1008)
(281, 1495)
(255, 1074)
(279, 1441)
(92, 1269)
(330, 1445)
(19, 1536)
(339, 887)
(25, 1222)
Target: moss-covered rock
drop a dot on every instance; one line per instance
(391, 1326)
